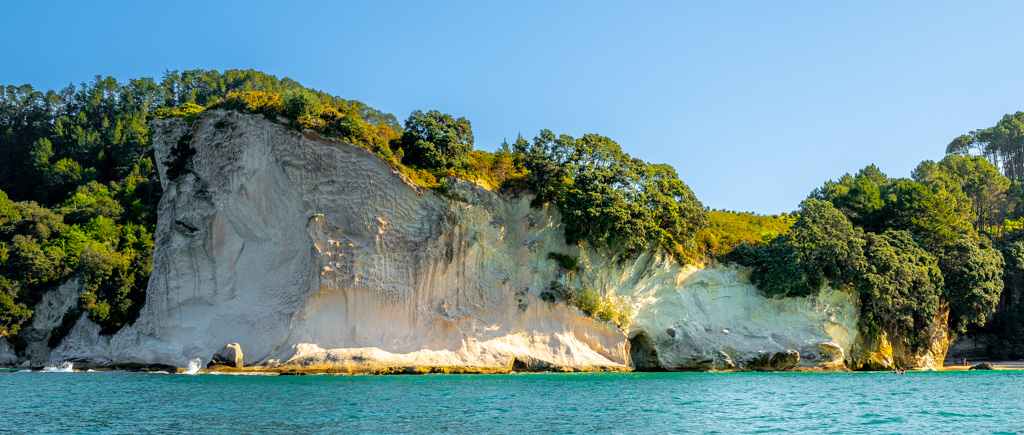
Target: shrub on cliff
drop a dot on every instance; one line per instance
(728, 230)
(266, 103)
(606, 308)
(567, 262)
(187, 111)
(302, 104)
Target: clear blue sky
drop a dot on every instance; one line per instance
(754, 103)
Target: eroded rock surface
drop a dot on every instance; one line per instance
(8, 358)
(230, 355)
(774, 362)
(47, 315)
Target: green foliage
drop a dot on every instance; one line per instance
(777, 268)
(822, 247)
(911, 247)
(437, 140)
(302, 104)
(901, 285)
(973, 271)
(727, 230)
(567, 262)
(12, 313)
(1002, 144)
(591, 303)
(828, 244)
(609, 199)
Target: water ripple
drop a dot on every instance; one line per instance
(563, 403)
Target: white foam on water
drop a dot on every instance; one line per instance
(64, 367)
(193, 367)
(243, 373)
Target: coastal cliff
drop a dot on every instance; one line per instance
(311, 253)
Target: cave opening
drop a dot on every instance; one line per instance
(644, 354)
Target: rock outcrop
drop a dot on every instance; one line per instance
(774, 362)
(8, 358)
(882, 352)
(983, 366)
(230, 355)
(47, 315)
(313, 253)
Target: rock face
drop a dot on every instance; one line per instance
(230, 355)
(884, 352)
(7, 356)
(983, 366)
(48, 314)
(311, 252)
(774, 362)
(715, 319)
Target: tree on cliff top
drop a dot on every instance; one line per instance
(437, 140)
(610, 199)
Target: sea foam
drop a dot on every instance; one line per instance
(64, 367)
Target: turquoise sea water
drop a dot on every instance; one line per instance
(110, 402)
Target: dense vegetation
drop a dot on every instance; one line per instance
(727, 230)
(609, 199)
(913, 248)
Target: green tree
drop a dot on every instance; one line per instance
(830, 246)
(973, 272)
(821, 248)
(1002, 144)
(12, 313)
(437, 140)
(777, 268)
(901, 286)
(302, 104)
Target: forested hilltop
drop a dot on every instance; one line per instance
(78, 194)
(947, 240)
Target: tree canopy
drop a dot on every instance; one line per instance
(610, 199)
(910, 247)
(437, 140)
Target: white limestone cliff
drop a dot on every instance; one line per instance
(311, 252)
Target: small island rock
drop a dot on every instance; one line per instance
(983, 366)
